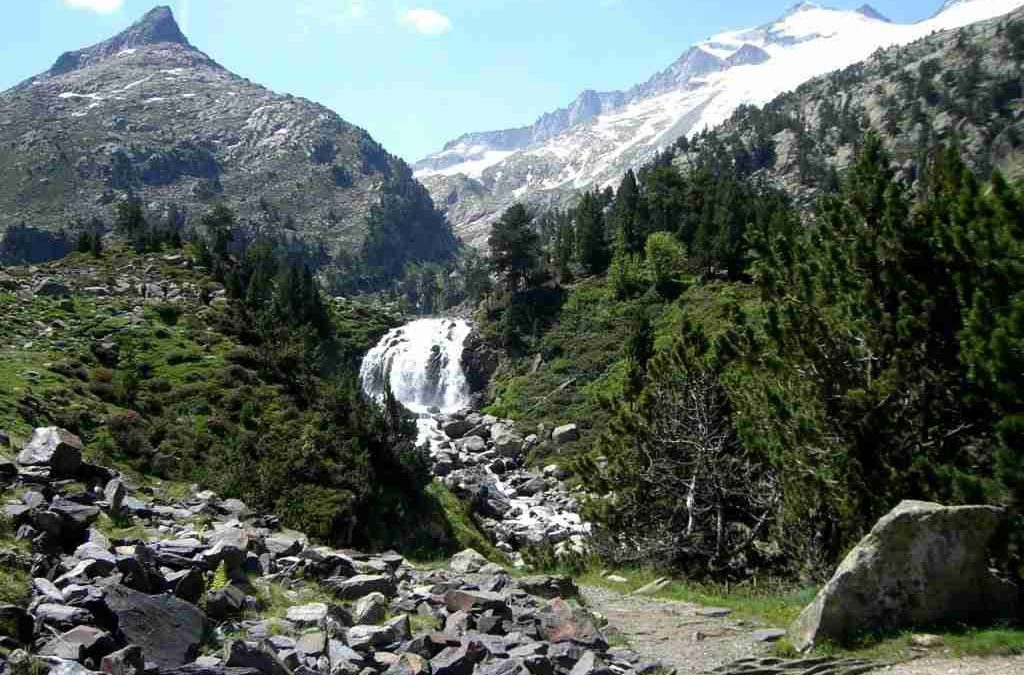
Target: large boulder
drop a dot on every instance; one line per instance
(922, 564)
(54, 447)
(467, 561)
(549, 587)
(362, 584)
(456, 428)
(168, 630)
(565, 434)
(508, 444)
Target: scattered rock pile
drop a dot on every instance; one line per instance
(482, 459)
(202, 586)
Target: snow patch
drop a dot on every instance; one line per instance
(127, 52)
(473, 168)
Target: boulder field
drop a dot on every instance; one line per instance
(127, 580)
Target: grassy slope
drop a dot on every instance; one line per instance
(583, 355)
(193, 377)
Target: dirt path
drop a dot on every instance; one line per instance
(684, 638)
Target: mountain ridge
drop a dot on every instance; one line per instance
(475, 180)
(147, 114)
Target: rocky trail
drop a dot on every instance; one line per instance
(692, 640)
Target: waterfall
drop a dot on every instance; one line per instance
(422, 361)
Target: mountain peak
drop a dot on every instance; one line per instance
(872, 13)
(157, 26)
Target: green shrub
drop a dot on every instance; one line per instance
(180, 356)
(130, 433)
(168, 312)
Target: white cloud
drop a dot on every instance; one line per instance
(101, 6)
(357, 8)
(425, 21)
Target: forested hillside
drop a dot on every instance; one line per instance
(780, 328)
(220, 363)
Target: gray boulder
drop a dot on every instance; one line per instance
(456, 428)
(467, 562)
(508, 444)
(362, 584)
(370, 608)
(51, 288)
(54, 447)
(167, 629)
(921, 564)
(127, 661)
(565, 434)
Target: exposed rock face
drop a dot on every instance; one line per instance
(921, 564)
(146, 112)
(591, 143)
(55, 448)
(479, 361)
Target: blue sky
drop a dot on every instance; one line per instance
(414, 73)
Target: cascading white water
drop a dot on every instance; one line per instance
(422, 362)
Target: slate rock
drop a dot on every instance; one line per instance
(225, 602)
(365, 638)
(240, 654)
(362, 584)
(549, 587)
(560, 622)
(127, 661)
(306, 616)
(370, 608)
(56, 448)
(167, 629)
(79, 643)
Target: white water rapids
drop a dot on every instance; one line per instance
(422, 363)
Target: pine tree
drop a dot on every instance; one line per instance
(626, 219)
(515, 247)
(591, 241)
(129, 219)
(219, 223)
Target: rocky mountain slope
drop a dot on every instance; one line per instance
(147, 113)
(959, 87)
(593, 141)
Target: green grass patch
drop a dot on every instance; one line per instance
(464, 532)
(773, 603)
(15, 587)
(276, 599)
(956, 642)
(122, 528)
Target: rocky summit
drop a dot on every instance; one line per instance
(147, 113)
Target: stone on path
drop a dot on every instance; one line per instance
(921, 564)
